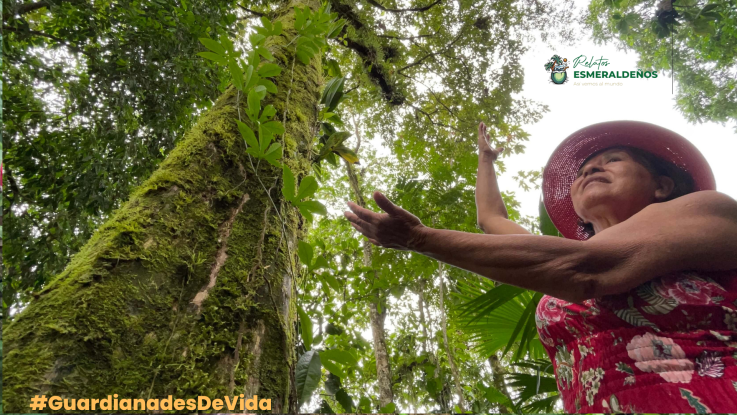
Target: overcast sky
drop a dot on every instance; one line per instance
(574, 107)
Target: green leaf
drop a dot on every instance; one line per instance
(306, 325)
(388, 408)
(214, 57)
(266, 23)
(247, 134)
(256, 39)
(340, 356)
(213, 45)
(329, 278)
(254, 104)
(303, 56)
(346, 153)
(277, 29)
(303, 211)
(236, 73)
(332, 367)
(313, 206)
(307, 187)
(299, 18)
(265, 53)
(273, 128)
(320, 262)
(269, 70)
(546, 224)
(288, 179)
(272, 157)
(305, 252)
(336, 28)
(268, 84)
(274, 147)
(268, 112)
(344, 400)
(325, 407)
(333, 93)
(307, 375)
(364, 405)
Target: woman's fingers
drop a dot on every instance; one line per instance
(363, 213)
(386, 205)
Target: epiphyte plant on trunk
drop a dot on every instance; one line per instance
(259, 130)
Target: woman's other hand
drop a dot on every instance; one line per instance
(397, 228)
(484, 148)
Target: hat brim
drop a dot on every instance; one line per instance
(560, 170)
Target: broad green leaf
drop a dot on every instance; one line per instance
(546, 225)
(388, 408)
(339, 356)
(247, 134)
(214, 57)
(288, 180)
(267, 113)
(277, 29)
(235, 73)
(256, 39)
(261, 91)
(320, 262)
(213, 45)
(314, 206)
(264, 140)
(307, 187)
(306, 325)
(272, 157)
(305, 252)
(344, 400)
(267, 23)
(329, 278)
(346, 154)
(303, 56)
(265, 53)
(307, 375)
(364, 405)
(268, 84)
(303, 211)
(336, 28)
(268, 70)
(254, 104)
(274, 147)
(273, 128)
(332, 367)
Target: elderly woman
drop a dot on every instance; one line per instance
(640, 311)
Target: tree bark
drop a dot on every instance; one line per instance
(188, 288)
(453, 368)
(383, 368)
(498, 371)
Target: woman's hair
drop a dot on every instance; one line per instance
(683, 182)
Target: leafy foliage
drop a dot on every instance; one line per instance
(695, 39)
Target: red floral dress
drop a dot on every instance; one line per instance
(669, 345)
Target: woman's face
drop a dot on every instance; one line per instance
(612, 184)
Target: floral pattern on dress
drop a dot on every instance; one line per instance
(660, 355)
(669, 345)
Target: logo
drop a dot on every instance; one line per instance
(557, 67)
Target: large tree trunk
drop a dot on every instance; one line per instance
(188, 289)
(383, 369)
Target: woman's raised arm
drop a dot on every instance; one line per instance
(491, 214)
(697, 231)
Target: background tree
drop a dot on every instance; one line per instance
(694, 39)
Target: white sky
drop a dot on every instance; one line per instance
(574, 107)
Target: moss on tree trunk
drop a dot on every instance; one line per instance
(188, 289)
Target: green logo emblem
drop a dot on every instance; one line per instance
(557, 67)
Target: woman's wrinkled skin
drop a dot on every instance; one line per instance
(611, 187)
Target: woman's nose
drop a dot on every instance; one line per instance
(591, 168)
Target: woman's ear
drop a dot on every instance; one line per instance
(666, 185)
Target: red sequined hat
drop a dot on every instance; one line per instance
(561, 169)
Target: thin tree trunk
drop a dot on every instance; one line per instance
(188, 288)
(453, 368)
(383, 368)
(498, 372)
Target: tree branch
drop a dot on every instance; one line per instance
(422, 59)
(253, 12)
(46, 35)
(416, 9)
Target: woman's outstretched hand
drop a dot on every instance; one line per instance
(484, 141)
(397, 228)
